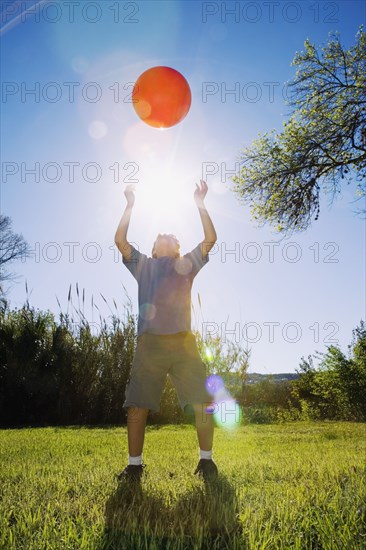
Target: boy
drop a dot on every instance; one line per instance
(165, 343)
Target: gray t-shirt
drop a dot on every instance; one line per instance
(164, 290)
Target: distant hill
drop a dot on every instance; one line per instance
(232, 379)
(254, 377)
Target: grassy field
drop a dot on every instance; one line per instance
(296, 485)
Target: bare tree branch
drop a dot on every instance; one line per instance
(12, 248)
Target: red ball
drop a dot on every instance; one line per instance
(161, 97)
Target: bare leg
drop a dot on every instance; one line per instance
(136, 422)
(204, 426)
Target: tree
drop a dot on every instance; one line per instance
(12, 247)
(223, 357)
(356, 375)
(322, 143)
(337, 389)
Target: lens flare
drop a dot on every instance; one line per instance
(225, 409)
(228, 412)
(214, 384)
(97, 129)
(147, 311)
(208, 353)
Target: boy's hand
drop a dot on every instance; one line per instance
(200, 192)
(130, 194)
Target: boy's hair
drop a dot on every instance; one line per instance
(171, 236)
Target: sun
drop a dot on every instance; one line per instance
(166, 198)
(164, 180)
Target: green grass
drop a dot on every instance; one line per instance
(297, 485)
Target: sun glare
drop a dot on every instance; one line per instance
(165, 198)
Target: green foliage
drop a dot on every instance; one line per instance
(268, 401)
(59, 372)
(323, 142)
(222, 357)
(337, 389)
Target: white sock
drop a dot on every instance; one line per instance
(135, 460)
(206, 454)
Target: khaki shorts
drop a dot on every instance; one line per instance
(157, 356)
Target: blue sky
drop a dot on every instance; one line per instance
(287, 308)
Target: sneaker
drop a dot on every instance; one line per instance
(207, 469)
(132, 473)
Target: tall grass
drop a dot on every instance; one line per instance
(61, 371)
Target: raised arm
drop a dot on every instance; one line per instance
(120, 237)
(208, 227)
